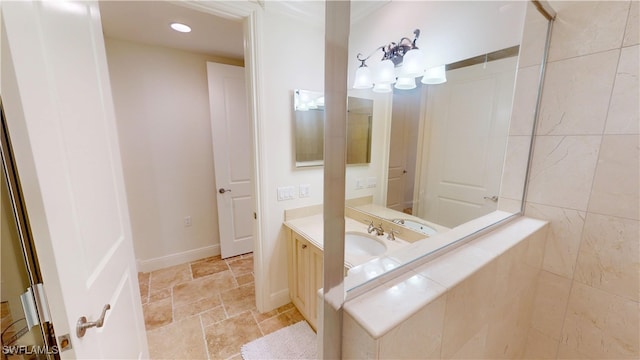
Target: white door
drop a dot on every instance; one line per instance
(402, 149)
(59, 109)
(469, 117)
(233, 164)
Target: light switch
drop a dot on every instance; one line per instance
(360, 183)
(305, 190)
(286, 193)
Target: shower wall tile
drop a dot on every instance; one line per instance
(624, 110)
(609, 257)
(540, 346)
(356, 342)
(525, 98)
(615, 186)
(550, 304)
(563, 238)
(419, 337)
(632, 33)
(576, 95)
(587, 27)
(601, 325)
(515, 166)
(562, 170)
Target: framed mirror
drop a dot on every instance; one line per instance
(308, 107)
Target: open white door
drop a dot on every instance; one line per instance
(60, 116)
(232, 146)
(469, 117)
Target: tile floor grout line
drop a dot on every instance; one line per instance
(204, 338)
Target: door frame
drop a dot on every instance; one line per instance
(252, 18)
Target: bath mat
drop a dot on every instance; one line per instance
(296, 341)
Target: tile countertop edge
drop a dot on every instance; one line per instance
(368, 308)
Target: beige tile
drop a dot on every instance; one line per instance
(534, 37)
(563, 238)
(540, 346)
(198, 307)
(632, 33)
(525, 98)
(192, 291)
(208, 266)
(460, 324)
(245, 279)
(601, 325)
(576, 94)
(264, 316)
(562, 170)
(285, 307)
(213, 316)
(143, 282)
(157, 314)
(239, 300)
(474, 348)
(515, 167)
(615, 186)
(586, 27)
(566, 352)
(356, 342)
(550, 303)
(623, 116)
(225, 338)
(419, 337)
(508, 329)
(166, 278)
(157, 295)
(456, 266)
(241, 266)
(280, 321)
(609, 257)
(179, 340)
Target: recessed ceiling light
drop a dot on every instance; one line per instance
(180, 27)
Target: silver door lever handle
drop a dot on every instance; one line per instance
(82, 325)
(494, 198)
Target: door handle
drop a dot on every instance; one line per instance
(82, 325)
(223, 190)
(493, 198)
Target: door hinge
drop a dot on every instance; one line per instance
(255, 216)
(35, 306)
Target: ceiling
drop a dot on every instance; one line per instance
(148, 22)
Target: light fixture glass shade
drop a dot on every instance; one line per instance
(412, 64)
(382, 88)
(385, 73)
(435, 75)
(363, 80)
(406, 83)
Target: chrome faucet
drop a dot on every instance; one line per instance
(379, 230)
(392, 234)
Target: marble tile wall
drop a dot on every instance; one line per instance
(585, 181)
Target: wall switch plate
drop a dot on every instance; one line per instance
(187, 221)
(286, 193)
(371, 182)
(305, 190)
(360, 183)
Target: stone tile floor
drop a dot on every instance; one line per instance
(206, 309)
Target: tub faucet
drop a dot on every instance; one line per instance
(379, 230)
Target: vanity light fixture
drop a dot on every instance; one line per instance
(179, 27)
(401, 64)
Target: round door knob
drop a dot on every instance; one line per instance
(222, 190)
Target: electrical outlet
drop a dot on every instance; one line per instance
(371, 182)
(187, 221)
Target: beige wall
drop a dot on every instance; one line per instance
(162, 111)
(584, 180)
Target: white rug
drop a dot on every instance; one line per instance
(297, 341)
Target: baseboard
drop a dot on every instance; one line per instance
(279, 298)
(177, 258)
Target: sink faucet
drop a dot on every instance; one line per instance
(392, 234)
(379, 230)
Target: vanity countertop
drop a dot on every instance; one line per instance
(312, 228)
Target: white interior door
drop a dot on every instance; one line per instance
(59, 110)
(402, 149)
(231, 128)
(469, 117)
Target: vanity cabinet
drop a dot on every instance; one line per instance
(305, 275)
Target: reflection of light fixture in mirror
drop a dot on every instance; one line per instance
(306, 100)
(435, 75)
(403, 55)
(180, 27)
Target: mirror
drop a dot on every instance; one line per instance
(309, 129)
(458, 151)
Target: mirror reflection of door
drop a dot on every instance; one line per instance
(403, 148)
